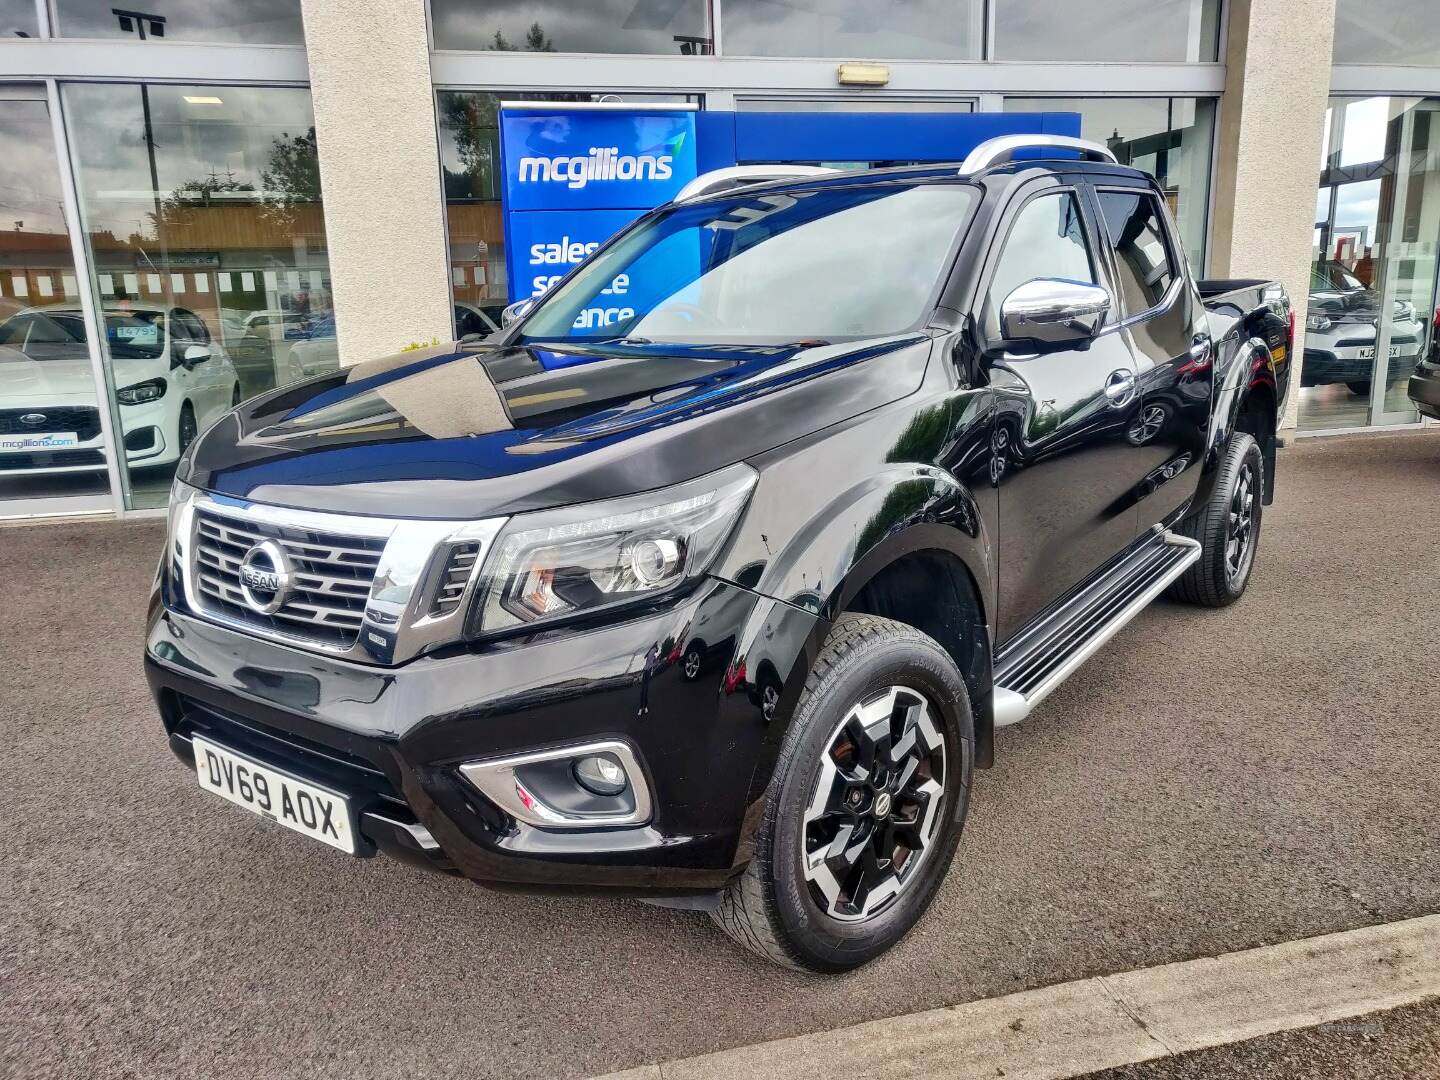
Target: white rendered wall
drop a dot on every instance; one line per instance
(379, 173)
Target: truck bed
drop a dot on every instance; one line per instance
(1214, 288)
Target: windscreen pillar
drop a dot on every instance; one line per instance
(379, 161)
(1267, 160)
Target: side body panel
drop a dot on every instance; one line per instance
(834, 510)
(1171, 345)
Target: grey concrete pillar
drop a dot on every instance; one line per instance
(1267, 166)
(379, 173)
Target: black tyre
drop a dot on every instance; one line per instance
(866, 804)
(692, 661)
(1359, 388)
(1228, 528)
(186, 428)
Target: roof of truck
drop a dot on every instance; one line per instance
(930, 171)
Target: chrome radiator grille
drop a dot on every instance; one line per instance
(332, 576)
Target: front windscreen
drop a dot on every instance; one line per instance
(830, 263)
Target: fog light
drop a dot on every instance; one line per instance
(601, 774)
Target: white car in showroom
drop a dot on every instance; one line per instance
(171, 382)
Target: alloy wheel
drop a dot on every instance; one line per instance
(1147, 425)
(769, 701)
(875, 810)
(1240, 537)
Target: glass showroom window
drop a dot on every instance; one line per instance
(17, 19)
(1173, 30)
(50, 440)
(918, 30)
(670, 28)
(251, 22)
(470, 171)
(1373, 286)
(1387, 32)
(1170, 138)
(201, 206)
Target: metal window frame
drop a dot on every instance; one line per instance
(60, 506)
(47, 61)
(85, 285)
(699, 74)
(85, 60)
(1357, 81)
(1384, 80)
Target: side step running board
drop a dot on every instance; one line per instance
(1046, 655)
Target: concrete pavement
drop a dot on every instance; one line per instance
(1076, 1028)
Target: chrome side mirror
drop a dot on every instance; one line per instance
(513, 313)
(1054, 312)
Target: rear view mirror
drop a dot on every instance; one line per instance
(513, 313)
(1054, 312)
(195, 354)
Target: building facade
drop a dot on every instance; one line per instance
(203, 199)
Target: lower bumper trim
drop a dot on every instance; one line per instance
(380, 830)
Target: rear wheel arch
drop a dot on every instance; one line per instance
(1256, 416)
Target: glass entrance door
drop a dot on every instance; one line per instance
(53, 457)
(1407, 258)
(1372, 304)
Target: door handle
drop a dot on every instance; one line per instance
(1120, 387)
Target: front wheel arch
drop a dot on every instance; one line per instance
(934, 591)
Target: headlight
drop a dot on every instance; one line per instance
(141, 392)
(581, 559)
(177, 522)
(1317, 322)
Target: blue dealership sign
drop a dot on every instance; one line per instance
(574, 178)
(594, 159)
(545, 245)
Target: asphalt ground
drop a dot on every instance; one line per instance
(1211, 781)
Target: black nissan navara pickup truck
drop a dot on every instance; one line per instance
(718, 599)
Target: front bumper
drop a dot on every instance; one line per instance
(1424, 390)
(1326, 362)
(394, 738)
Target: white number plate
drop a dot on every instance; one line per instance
(32, 441)
(1367, 352)
(307, 808)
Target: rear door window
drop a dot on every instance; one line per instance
(1145, 267)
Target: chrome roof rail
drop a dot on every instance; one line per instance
(1002, 148)
(738, 176)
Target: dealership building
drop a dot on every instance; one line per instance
(204, 199)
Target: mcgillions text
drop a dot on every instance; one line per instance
(604, 163)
